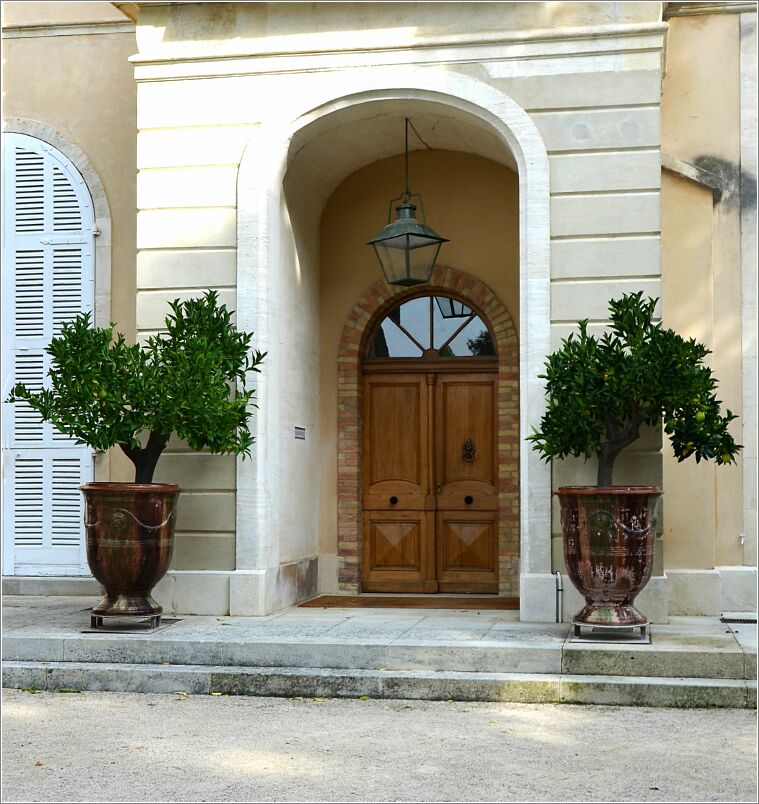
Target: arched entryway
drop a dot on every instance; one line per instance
(290, 168)
(417, 528)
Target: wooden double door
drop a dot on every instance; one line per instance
(430, 482)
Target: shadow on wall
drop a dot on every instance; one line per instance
(735, 185)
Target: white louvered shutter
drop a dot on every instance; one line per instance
(48, 278)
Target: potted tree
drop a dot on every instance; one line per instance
(600, 393)
(190, 380)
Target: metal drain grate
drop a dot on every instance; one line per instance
(746, 617)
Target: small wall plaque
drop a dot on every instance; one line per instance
(300, 433)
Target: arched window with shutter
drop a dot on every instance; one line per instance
(48, 278)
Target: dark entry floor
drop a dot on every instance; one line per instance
(376, 601)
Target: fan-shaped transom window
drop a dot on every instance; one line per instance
(435, 326)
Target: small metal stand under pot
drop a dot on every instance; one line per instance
(611, 634)
(154, 621)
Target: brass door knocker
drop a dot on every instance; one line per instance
(467, 453)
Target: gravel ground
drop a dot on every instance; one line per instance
(102, 746)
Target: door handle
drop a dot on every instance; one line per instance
(437, 487)
(468, 451)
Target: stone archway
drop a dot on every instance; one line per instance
(277, 261)
(371, 306)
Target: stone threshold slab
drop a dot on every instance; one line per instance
(409, 685)
(379, 601)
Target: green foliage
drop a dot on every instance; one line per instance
(600, 391)
(190, 380)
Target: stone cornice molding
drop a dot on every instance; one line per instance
(553, 38)
(692, 9)
(66, 29)
(131, 10)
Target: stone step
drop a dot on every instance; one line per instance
(412, 685)
(663, 658)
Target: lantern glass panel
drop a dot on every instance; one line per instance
(408, 259)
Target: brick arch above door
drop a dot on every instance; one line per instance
(367, 310)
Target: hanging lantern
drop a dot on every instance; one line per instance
(407, 248)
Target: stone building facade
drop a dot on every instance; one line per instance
(568, 151)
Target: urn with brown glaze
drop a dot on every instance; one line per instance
(130, 541)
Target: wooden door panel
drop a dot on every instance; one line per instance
(398, 551)
(430, 506)
(467, 483)
(467, 551)
(485, 500)
(466, 464)
(396, 443)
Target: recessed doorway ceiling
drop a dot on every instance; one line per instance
(333, 147)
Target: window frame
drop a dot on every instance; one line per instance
(428, 360)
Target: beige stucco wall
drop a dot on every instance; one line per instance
(92, 104)
(470, 200)
(694, 89)
(21, 12)
(688, 303)
(702, 270)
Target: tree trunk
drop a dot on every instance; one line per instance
(619, 437)
(145, 468)
(606, 460)
(146, 458)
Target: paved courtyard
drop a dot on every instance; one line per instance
(102, 746)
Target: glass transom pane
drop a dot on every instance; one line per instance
(430, 327)
(414, 317)
(390, 341)
(444, 328)
(473, 341)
